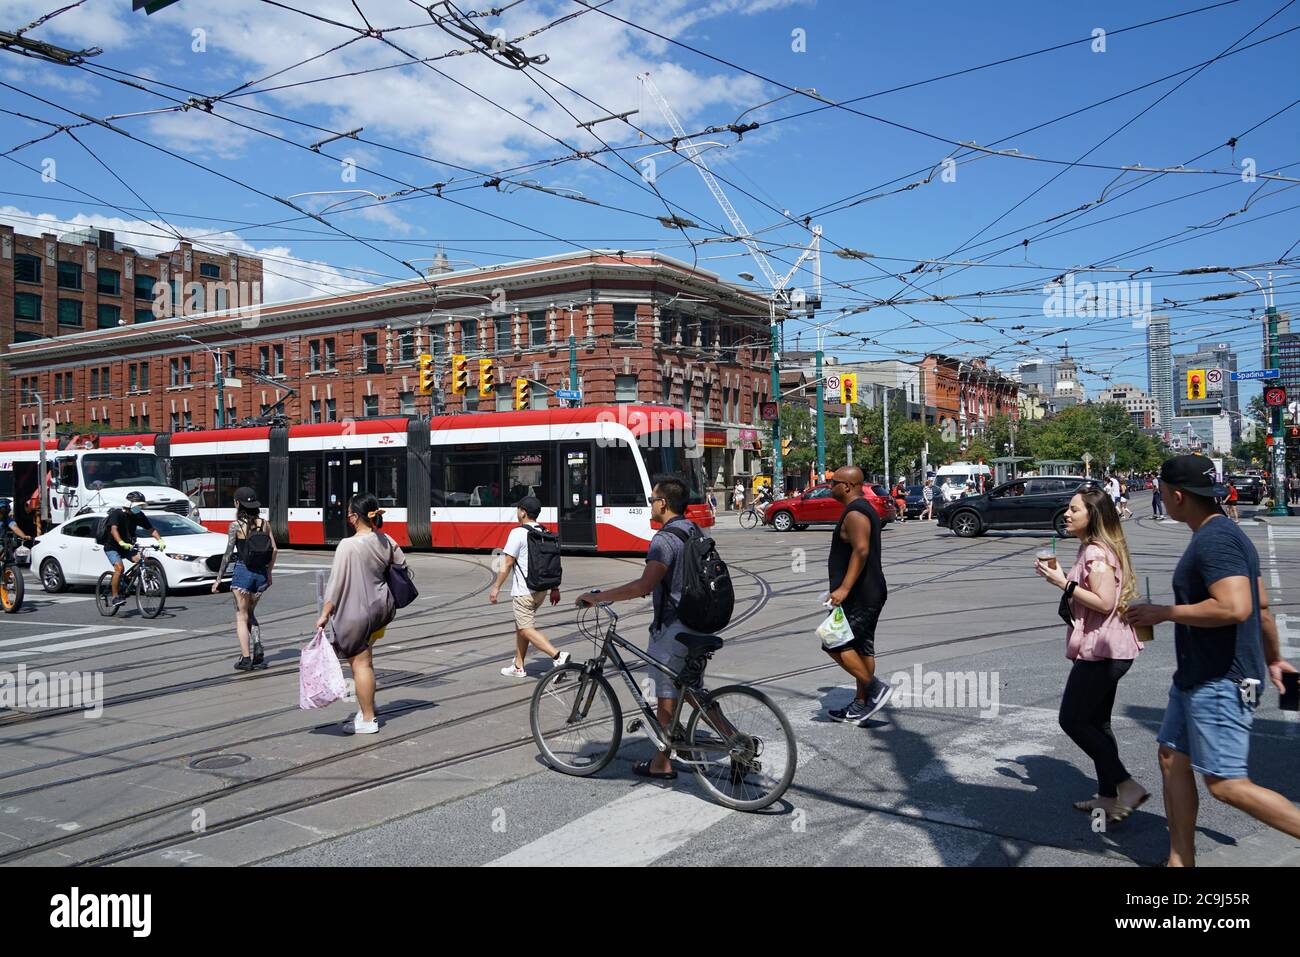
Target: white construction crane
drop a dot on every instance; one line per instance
(778, 283)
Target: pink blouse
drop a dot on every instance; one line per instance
(1095, 635)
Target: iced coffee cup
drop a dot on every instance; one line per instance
(1047, 557)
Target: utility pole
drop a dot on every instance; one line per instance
(573, 358)
(778, 473)
(885, 413)
(821, 427)
(41, 486)
(1275, 413)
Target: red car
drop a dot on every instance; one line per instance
(816, 505)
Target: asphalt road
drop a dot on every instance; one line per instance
(193, 763)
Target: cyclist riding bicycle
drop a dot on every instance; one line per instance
(763, 499)
(11, 534)
(118, 538)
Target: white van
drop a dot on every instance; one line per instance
(950, 480)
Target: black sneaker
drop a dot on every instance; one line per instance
(842, 714)
(119, 601)
(244, 663)
(259, 655)
(877, 696)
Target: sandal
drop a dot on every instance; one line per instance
(642, 770)
(1088, 806)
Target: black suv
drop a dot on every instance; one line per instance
(1250, 488)
(1025, 503)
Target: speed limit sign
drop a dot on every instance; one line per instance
(833, 384)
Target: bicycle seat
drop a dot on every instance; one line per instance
(699, 644)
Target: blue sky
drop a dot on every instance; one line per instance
(456, 126)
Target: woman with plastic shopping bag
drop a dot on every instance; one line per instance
(358, 602)
(320, 679)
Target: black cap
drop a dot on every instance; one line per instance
(531, 505)
(246, 497)
(135, 496)
(1193, 474)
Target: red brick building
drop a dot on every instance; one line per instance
(967, 391)
(53, 286)
(648, 328)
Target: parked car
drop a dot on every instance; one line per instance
(1036, 502)
(1250, 488)
(816, 506)
(68, 554)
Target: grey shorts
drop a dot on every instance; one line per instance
(668, 651)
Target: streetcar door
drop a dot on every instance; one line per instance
(336, 497)
(577, 511)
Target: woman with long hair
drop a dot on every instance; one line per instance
(250, 542)
(359, 602)
(1098, 588)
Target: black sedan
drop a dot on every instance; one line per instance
(1025, 503)
(915, 500)
(1250, 488)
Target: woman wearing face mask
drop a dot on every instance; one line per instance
(1098, 588)
(250, 540)
(358, 601)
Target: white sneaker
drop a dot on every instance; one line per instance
(356, 725)
(513, 671)
(560, 660)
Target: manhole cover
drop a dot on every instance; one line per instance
(217, 762)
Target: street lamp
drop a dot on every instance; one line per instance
(805, 90)
(219, 377)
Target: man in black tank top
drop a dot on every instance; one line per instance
(857, 583)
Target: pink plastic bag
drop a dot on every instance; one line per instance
(320, 677)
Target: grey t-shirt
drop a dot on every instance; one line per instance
(667, 548)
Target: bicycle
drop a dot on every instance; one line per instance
(143, 576)
(577, 722)
(751, 516)
(12, 586)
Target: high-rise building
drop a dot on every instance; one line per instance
(1214, 356)
(1160, 369)
(1288, 361)
(1138, 404)
(1037, 374)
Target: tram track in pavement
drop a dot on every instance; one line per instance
(159, 813)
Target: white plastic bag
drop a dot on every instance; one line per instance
(320, 676)
(834, 631)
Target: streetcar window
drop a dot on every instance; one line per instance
(473, 479)
(237, 471)
(196, 477)
(306, 481)
(529, 473)
(673, 460)
(386, 477)
(622, 478)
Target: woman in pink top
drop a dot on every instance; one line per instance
(1097, 589)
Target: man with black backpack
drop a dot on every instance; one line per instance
(692, 593)
(116, 535)
(533, 555)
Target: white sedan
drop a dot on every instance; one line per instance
(68, 554)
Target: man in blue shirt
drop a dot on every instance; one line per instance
(1226, 643)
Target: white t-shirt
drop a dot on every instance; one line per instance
(517, 548)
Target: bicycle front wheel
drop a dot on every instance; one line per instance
(576, 720)
(151, 589)
(748, 518)
(741, 747)
(104, 595)
(11, 589)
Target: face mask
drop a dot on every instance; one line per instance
(136, 509)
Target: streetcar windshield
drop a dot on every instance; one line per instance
(117, 470)
(673, 460)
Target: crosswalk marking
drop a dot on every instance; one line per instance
(116, 634)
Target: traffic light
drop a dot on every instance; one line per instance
(849, 388)
(1195, 384)
(522, 398)
(427, 378)
(459, 374)
(786, 445)
(487, 377)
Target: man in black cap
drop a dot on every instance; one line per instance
(1226, 643)
(525, 599)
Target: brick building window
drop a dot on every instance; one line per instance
(407, 400)
(321, 355)
(109, 316)
(22, 335)
(69, 312)
(537, 329)
(210, 270)
(437, 341)
(624, 320)
(504, 332)
(370, 405)
(315, 411)
(109, 282)
(144, 286)
(27, 305)
(624, 388)
(143, 315)
(705, 411)
(180, 372)
(277, 360)
(668, 390)
(27, 268)
(468, 335)
(330, 413)
(370, 352)
(406, 346)
(69, 275)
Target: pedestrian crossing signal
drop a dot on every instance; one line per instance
(849, 388)
(427, 378)
(487, 377)
(786, 445)
(522, 398)
(1195, 384)
(459, 374)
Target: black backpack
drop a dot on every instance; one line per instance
(257, 548)
(708, 598)
(544, 572)
(103, 529)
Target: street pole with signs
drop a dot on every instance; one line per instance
(778, 472)
(1275, 420)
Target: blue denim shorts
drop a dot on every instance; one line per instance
(1211, 724)
(113, 555)
(245, 580)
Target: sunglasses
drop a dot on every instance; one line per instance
(654, 498)
(841, 482)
